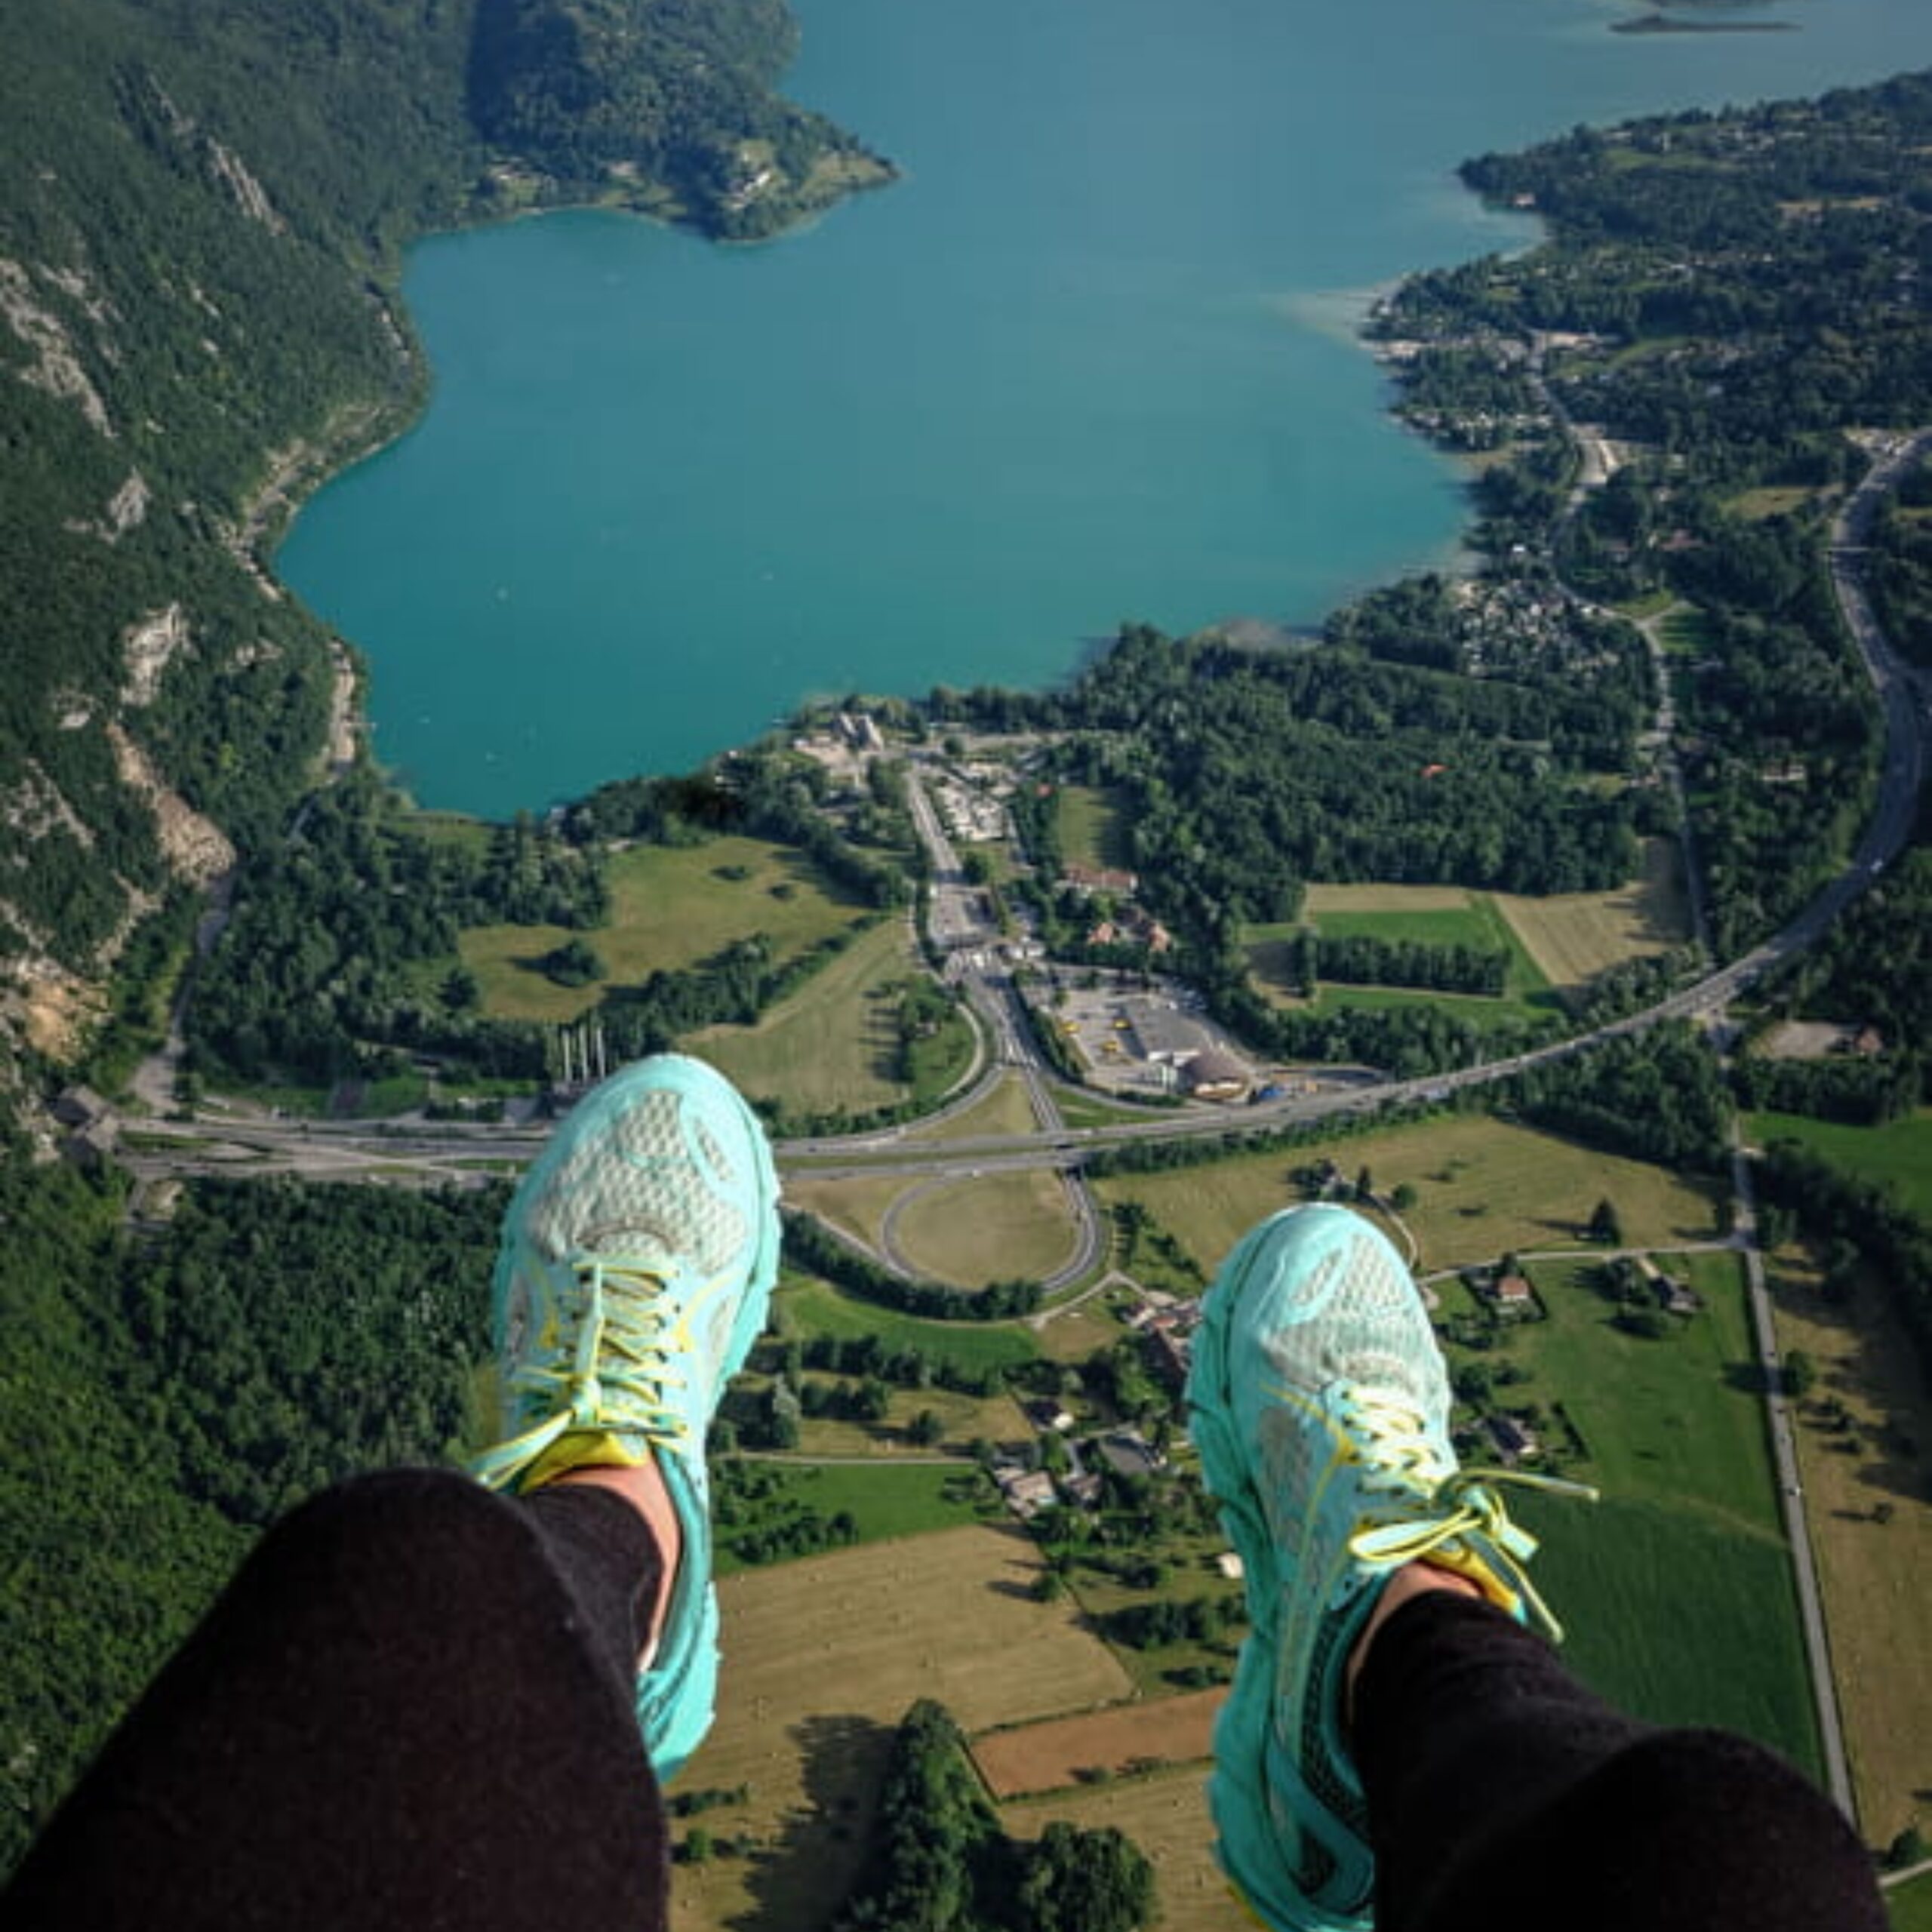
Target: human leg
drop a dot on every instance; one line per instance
(1500, 1791)
(412, 1707)
(422, 1703)
(1321, 1407)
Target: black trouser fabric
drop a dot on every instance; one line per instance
(1503, 1794)
(413, 1709)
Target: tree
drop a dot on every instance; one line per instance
(925, 1429)
(1365, 1186)
(1086, 1881)
(1604, 1225)
(460, 991)
(1403, 1198)
(575, 963)
(1801, 1374)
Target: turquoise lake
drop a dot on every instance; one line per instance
(1090, 359)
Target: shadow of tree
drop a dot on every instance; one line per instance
(1868, 1348)
(801, 1881)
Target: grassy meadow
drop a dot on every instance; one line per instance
(1870, 1514)
(1087, 818)
(1574, 936)
(1559, 942)
(670, 907)
(966, 1232)
(886, 1501)
(1006, 1109)
(1898, 1155)
(1483, 1186)
(1676, 1587)
(809, 1307)
(1910, 1905)
(997, 1227)
(835, 1042)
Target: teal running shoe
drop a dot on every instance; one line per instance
(1320, 1408)
(636, 1268)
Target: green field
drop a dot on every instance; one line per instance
(670, 907)
(1677, 1422)
(1088, 822)
(1898, 1155)
(993, 1228)
(1413, 915)
(810, 1307)
(1005, 1109)
(1482, 1186)
(1684, 632)
(1676, 1588)
(835, 1042)
(1911, 1905)
(885, 1500)
(1677, 1620)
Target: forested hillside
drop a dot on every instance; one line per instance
(1728, 310)
(199, 244)
(165, 1397)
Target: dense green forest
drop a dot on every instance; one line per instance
(1900, 567)
(1734, 298)
(1243, 775)
(168, 1392)
(668, 101)
(1873, 970)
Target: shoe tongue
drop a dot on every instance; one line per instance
(1375, 1374)
(639, 1248)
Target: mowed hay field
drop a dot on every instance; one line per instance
(854, 1207)
(965, 1233)
(1574, 936)
(1050, 1757)
(835, 1042)
(1569, 937)
(1483, 1186)
(1087, 820)
(1166, 1815)
(1874, 1572)
(995, 1228)
(821, 1659)
(670, 907)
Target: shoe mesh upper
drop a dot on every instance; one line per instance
(619, 1190)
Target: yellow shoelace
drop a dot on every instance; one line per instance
(1464, 1515)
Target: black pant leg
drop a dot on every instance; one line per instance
(1502, 1792)
(412, 1708)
